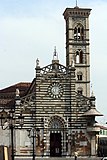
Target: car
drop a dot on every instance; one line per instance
(104, 158)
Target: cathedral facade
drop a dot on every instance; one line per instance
(58, 106)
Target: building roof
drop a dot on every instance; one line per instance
(7, 95)
(103, 127)
(92, 112)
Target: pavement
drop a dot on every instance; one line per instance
(58, 158)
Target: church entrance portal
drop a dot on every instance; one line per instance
(55, 144)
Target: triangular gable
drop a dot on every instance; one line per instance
(54, 68)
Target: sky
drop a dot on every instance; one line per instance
(29, 29)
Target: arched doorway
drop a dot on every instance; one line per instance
(56, 128)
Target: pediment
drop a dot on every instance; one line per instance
(54, 70)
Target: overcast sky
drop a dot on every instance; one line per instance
(29, 29)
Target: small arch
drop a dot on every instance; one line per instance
(79, 76)
(79, 56)
(80, 90)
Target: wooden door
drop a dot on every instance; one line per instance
(55, 144)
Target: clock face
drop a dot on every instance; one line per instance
(55, 90)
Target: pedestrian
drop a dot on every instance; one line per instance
(76, 155)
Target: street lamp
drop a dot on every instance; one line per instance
(32, 134)
(11, 121)
(8, 121)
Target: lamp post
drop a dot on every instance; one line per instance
(9, 118)
(32, 134)
(11, 122)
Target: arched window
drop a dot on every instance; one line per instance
(82, 33)
(79, 56)
(75, 32)
(80, 90)
(79, 76)
(79, 32)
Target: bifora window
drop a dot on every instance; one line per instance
(79, 76)
(79, 32)
(79, 56)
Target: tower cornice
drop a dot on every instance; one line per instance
(76, 11)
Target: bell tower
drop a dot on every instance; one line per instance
(77, 46)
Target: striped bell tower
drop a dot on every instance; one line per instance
(77, 46)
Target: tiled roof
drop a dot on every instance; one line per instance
(92, 112)
(21, 86)
(7, 95)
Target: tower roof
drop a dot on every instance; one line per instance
(92, 112)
